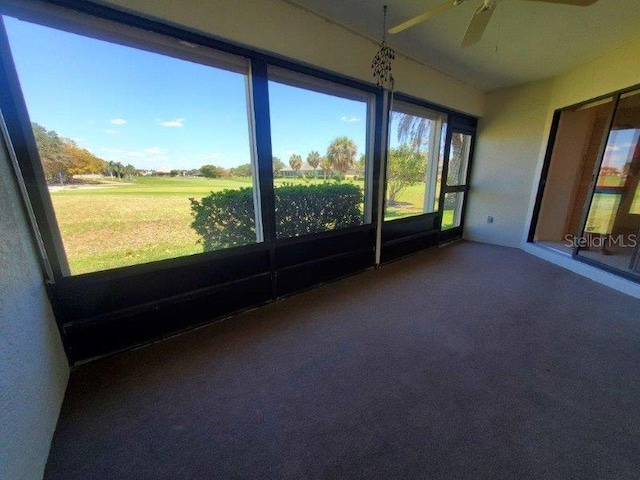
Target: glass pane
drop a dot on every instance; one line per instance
(443, 137)
(415, 154)
(602, 213)
(613, 225)
(567, 186)
(458, 158)
(452, 211)
(146, 156)
(319, 143)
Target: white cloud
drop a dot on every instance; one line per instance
(111, 132)
(117, 121)
(148, 153)
(155, 150)
(177, 122)
(344, 118)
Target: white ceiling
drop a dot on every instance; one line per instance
(525, 40)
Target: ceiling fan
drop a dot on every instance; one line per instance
(479, 20)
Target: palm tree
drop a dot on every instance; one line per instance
(342, 153)
(110, 168)
(412, 129)
(277, 166)
(313, 159)
(416, 131)
(326, 166)
(295, 161)
(129, 171)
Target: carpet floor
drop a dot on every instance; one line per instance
(466, 362)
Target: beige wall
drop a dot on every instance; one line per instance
(616, 70)
(277, 27)
(569, 150)
(509, 140)
(33, 367)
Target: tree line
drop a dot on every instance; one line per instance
(340, 157)
(62, 158)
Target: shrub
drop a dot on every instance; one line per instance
(226, 219)
(304, 209)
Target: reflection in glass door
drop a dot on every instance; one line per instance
(612, 226)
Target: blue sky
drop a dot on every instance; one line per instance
(158, 112)
(620, 148)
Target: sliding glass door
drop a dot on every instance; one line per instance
(611, 231)
(589, 199)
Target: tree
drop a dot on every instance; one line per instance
(341, 153)
(313, 159)
(223, 172)
(295, 162)
(413, 130)
(82, 161)
(130, 171)
(456, 158)
(119, 169)
(278, 165)
(62, 157)
(243, 170)
(416, 131)
(406, 167)
(209, 171)
(114, 169)
(54, 154)
(326, 166)
(361, 165)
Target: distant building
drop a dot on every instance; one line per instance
(306, 170)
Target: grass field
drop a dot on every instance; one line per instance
(117, 224)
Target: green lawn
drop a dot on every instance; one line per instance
(121, 223)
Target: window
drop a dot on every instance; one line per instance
(139, 145)
(414, 162)
(452, 212)
(169, 171)
(457, 173)
(458, 158)
(320, 135)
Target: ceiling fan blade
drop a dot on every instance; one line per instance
(478, 24)
(576, 3)
(424, 16)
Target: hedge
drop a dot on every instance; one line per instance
(227, 219)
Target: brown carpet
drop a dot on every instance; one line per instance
(468, 362)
